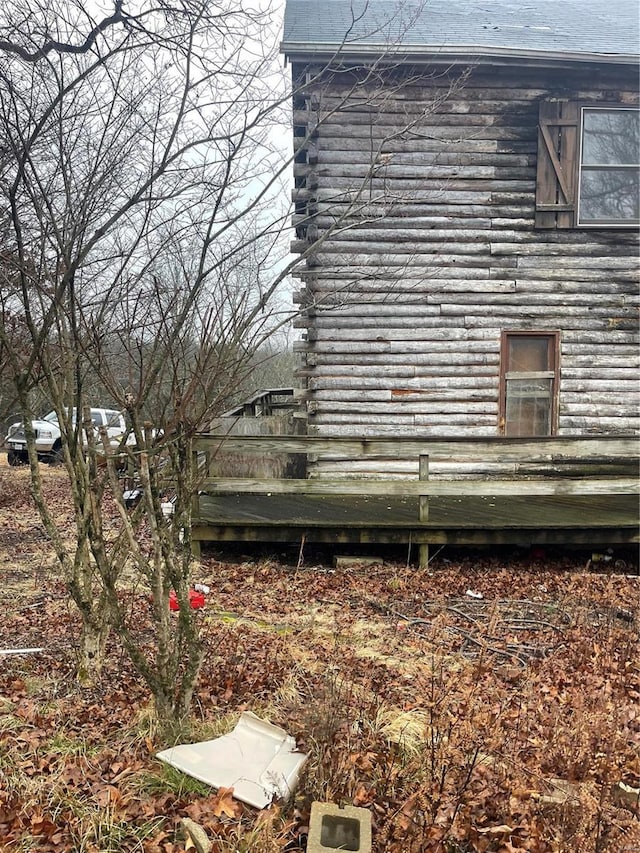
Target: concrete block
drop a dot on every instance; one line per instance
(356, 562)
(333, 828)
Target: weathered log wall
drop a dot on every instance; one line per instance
(415, 210)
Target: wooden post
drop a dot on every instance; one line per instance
(196, 549)
(423, 504)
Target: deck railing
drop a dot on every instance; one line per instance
(565, 466)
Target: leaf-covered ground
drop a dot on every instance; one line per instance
(506, 722)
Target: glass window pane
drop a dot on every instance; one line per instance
(609, 194)
(529, 371)
(528, 354)
(611, 137)
(528, 407)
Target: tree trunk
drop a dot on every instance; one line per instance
(91, 653)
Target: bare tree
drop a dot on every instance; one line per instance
(143, 245)
(137, 163)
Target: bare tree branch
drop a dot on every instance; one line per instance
(53, 45)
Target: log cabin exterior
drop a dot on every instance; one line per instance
(466, 214)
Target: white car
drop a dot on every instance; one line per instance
(47, 435)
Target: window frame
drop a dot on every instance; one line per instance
(580, 166)
(554, 338)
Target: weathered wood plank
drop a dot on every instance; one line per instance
(354, 214)
(378, 133)
(528, 88)
(439, 398)
(489, 448)
(582, 341)
(399, 229)
(344, 486)
(330, 197)
(433, 319)
(359, 159)
(449, 406)
(407, 116)
(329, 359)
(506, 294)
(381, 389)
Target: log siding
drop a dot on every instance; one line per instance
(416, 210)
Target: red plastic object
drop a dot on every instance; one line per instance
(196, 600)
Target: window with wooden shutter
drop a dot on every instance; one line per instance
(588, 171)
(529, 383)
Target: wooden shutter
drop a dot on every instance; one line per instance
(556, 182)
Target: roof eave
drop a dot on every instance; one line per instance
(434, 54)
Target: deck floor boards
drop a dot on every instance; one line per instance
(468, 519)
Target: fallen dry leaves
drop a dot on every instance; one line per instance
(501, 725)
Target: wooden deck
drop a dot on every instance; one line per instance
(581, 506)
(459, 521)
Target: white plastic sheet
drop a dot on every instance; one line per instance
(257, 759)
